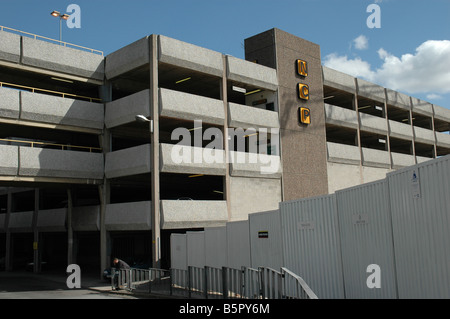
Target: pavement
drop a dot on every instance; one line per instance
(52, 285)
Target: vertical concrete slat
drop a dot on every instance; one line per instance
(154, 156)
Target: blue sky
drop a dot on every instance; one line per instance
(409, 53)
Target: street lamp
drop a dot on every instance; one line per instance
(143, 119)
(61, 17)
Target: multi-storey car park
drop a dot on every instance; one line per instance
(82, 181)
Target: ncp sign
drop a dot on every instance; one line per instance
(303, 92)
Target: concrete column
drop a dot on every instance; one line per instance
(70, 251)
(358, 132)
(8, 255)
(104, 190)
(388, 136)
(154, 156)
(434, 133)
(411, 121)
(36, 248)
(105, 199)
(226, 145)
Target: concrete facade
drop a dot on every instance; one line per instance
(299, 143)
(75, 162)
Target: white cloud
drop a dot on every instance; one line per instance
(361, 42)
(355, 67)
(425, 71)
(433, 96)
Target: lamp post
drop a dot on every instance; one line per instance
(61, 17)
(143, 119)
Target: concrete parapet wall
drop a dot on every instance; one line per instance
(127, 58)
(9, 103)
(62, 59)
(130, 161)
(255, 165)
(191, 107)
(52, 220)
(57, 110)
(398, 99)
(244, 116)
(190, 56)
(9, 160)
(86, 218)
(21, 222)
(340, 153)
(400, 130)
(443, 139)
(9, 47)
(371, 90)
(340, 116)
(338, 80)
(251, 73)
(375, 158)
(193, 214)
(35, 162)
(373, 124)
(124, 110)
(128, 216)
(424, 135)
(171, 160)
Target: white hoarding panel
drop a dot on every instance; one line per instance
(311, 246)
(420, 207)
(196, 249)
(366, 241)
(238, 244)
(265, 240)
(178, 251)
(216, 247)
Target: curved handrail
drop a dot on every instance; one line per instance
(303, 284)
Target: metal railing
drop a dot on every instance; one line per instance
(47, 144)
(62, 94)
(217, 283)
(143, 280)
(39, 37)
(295, 287)
(271, 283)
